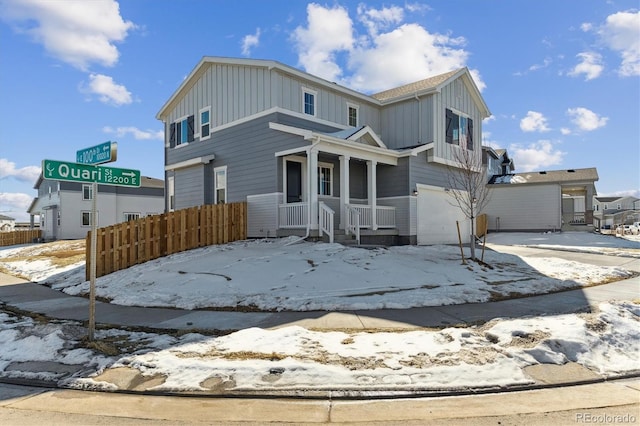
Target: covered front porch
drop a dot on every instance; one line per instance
(331, 187)
(577, 207)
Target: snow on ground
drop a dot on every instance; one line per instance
(272, 275)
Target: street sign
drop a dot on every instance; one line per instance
(76, 172)
(106, 152)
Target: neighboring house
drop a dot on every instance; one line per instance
(611, 211)
(65, 207)
(542, 201)
(303, 151)
(7, 224)
(496, 162)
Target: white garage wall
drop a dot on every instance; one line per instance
(437, 213)
(516, 207)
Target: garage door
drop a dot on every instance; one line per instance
(436, 217)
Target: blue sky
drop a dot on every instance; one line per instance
(561, 78)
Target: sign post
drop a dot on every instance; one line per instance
(86, 170)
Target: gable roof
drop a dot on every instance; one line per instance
(552, 176)
(3, 217)
(432, 85)
(422, 87)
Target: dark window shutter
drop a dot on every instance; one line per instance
(190, 128)
(449, 126)
(172, 135)
(469, 133)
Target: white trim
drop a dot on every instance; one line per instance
(330, 167)
(357, 108)
(314, 93)
(215, 184)
(367, 130)
(207, 108)
(191, 162)
(306, 134)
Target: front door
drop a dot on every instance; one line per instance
(294, 182)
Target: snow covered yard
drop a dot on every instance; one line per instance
(270, 275)
(274, 275)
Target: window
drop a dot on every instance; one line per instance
(459, 129)
(220, 184)
(352, 115)
(58, 218)
(171, 192)
(131, 216)
(181, 131)
(325, 175)
(205, 123)
(86, 218)
(309, 101)
(618, 206)
(87, 192)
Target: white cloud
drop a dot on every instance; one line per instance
(621, 33)
(536, 156)
(565, 131)
(250, 41)
(15, 205)
(388, 53)
(135, 132)
(534, 122)
(586, 119)
(590, 65)
(77, 32)
(328, 31)
(108, 91)
(623, 193)
(27, 174)
(545, 63)
(376, 20)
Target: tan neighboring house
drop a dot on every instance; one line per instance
(542, 201)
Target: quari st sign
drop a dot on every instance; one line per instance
(76, 172)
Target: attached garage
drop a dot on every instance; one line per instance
(437, 213)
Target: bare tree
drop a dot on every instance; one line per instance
(468, 187)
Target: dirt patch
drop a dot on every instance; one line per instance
(59, 253)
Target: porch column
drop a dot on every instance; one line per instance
(344, 190)
(372, 191)
(313, 187)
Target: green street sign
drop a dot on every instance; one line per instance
(106, 152)
(88, 173)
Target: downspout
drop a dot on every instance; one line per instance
(419, 117)
(306, 235)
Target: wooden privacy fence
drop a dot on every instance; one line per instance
(19, 237)
(137, 241)
(482, 222)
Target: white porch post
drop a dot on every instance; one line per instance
(373, 192)
(344, 189)
(313, 187)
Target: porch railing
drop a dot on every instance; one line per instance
(293, 215)
(353, 222)
(574, 218)
(386, 216)
(325, 219)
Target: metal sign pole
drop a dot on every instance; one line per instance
(92, 272)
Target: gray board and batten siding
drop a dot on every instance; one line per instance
(235, 92)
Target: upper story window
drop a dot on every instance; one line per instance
(205, 123)
(352, 111)
(87, 192)
(181, 131)
(459, 129)
(309, 101)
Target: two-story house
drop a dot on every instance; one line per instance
(308, 154)
(64, 208)
(611, 211)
